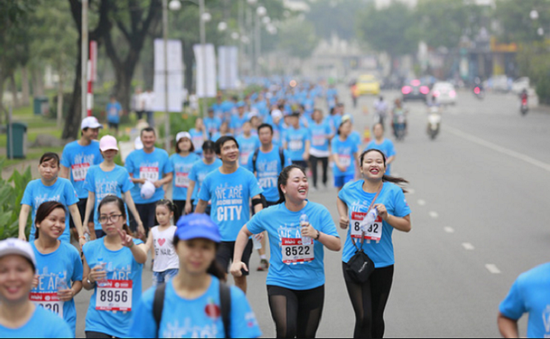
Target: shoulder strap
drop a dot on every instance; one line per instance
(370, 207)
(254, 159)
(282, 156)
(225, 306)
(158, 304)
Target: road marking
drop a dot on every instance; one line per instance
(421, 202)
(492, 268)
(498, 148)
(449, 229)
(434, 214)
(468, 246)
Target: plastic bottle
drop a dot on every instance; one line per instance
(61, 283)
(369, 219)
(304, 222)
(102, 264)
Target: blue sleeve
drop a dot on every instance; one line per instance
(391, 149)
(129, 165)
(65, 156)
(287, 158)
(354, 148)
(327, 226)
(89, 182)
(168, 168)
(77, 264)
(193, 172)
(253, 186)
(254, 225)
(70, 194)
(204, 194)
(118, 107)
(143, 323)
(342, 195)
(243, 320)
(249, 163)
(513, 305)
(27, 195)
(402, 208)
(333, 146)
(127, 183)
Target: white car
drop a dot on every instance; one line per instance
(520, 84)
(444, 93)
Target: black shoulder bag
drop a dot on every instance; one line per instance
(360, 266)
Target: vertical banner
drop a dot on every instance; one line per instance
(228, 67)
(206, 70)
(175, 76)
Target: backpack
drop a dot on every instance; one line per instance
(225, 306)
(255, 158)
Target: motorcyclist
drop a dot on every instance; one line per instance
(398, 112)
(380, 110)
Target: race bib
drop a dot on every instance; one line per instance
(345, 160)
(80, 171)
(244, 158)
(374, 230)
(149, 173)
(49, 301)
(371, 232)
(318, 140)
(295, 252)
(114, 295)
(295, 145)
(182, 179)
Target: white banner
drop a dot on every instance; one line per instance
(227, 67)
(175, 76)
(206, 70)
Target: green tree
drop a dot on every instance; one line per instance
(515, 23)
(297, 38)
(337, 17)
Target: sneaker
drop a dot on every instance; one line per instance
(264, 265)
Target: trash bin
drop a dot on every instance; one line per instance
(41, 105)
(19, 140)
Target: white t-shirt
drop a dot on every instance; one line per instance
(381, 107)
(148, 101)
(166, 257)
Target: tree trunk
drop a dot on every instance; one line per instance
(25, 90)
(14, 91)
(60, 99)
(38, 83)
(2, 108)
(72, 123)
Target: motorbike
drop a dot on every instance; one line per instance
(524, 108)
(434, 122)
(479, 92)
(399, 125)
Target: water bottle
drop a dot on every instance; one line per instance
(61, 283)
(369, 219)
(102, 264)
(305, 222)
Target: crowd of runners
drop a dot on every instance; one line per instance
(239, 180)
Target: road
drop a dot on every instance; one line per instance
(478, 195)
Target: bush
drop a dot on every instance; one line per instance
(11, 193)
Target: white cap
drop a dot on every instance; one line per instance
(147, 190)
(276, 114)
(90, 122)
(182, 135)
(138, 144)
(19, 247)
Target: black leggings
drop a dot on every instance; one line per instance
(179, 209)
(324, 162)
(369, 301)
(296, 313)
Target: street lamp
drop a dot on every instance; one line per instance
(540, 31)
(234, 35)
(174, 5)
(260, 13)
(222, 26)
(534, 14)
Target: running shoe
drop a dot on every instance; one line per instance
(264, 265)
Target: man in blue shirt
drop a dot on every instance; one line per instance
(113, 110)
(230, 188)
(77, 157)
(237, 121)
(297, 141)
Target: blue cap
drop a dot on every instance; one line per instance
(197, 225)
(240, 104)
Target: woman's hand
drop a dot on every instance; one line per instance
(344, 222)
(259, 236)
(35, 280)
(97, 273)
(188, 208)
(65, 295)
(382, 211)
(125, 239)
(236, 267)
(309, 231)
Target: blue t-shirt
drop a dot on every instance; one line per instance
(198, 138)
(194, 318)
(62, 264)
(113, 112)
(102, 184)
(61, 191)
(345, 151)
(42, 324)
(283, 228)
(152, 166)
(120, 265)
(268, 167)
(230, 195)
(358, 201)
(212, 125)
(182, 168)
(237, 123)
(530, 293)
(386, 147)
(199, 171)
(247, 146)
(319, 135)
(78, 159)
(296, 142)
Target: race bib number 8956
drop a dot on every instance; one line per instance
(114, 295)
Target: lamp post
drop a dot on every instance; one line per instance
(84, 60)
(260, 14)
(204, 17)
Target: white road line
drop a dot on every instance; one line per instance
(468, 246)
(421, 202)
(498, 148)
(492, 268)
(434, 214)
(449, 229)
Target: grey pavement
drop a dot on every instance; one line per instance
(478, 195)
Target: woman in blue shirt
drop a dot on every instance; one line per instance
(59, 269)
(198, 135)
(112, 269)
(319, 151)
(344, 152)
(383, 144)
(298, 231)
(192, 302)
(380, 192)
(50, 188)
(182, 162)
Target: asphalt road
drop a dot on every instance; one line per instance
(478, 195)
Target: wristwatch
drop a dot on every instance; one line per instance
(89, 282)
(318, 235)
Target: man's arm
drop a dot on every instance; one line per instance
(508, 327)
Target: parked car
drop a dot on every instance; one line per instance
(367, 84)
(415, 90)
(444, 93)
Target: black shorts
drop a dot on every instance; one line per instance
(147, 214)
(81, 204)
(301, 163)
(113, 125)
(226, 251)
